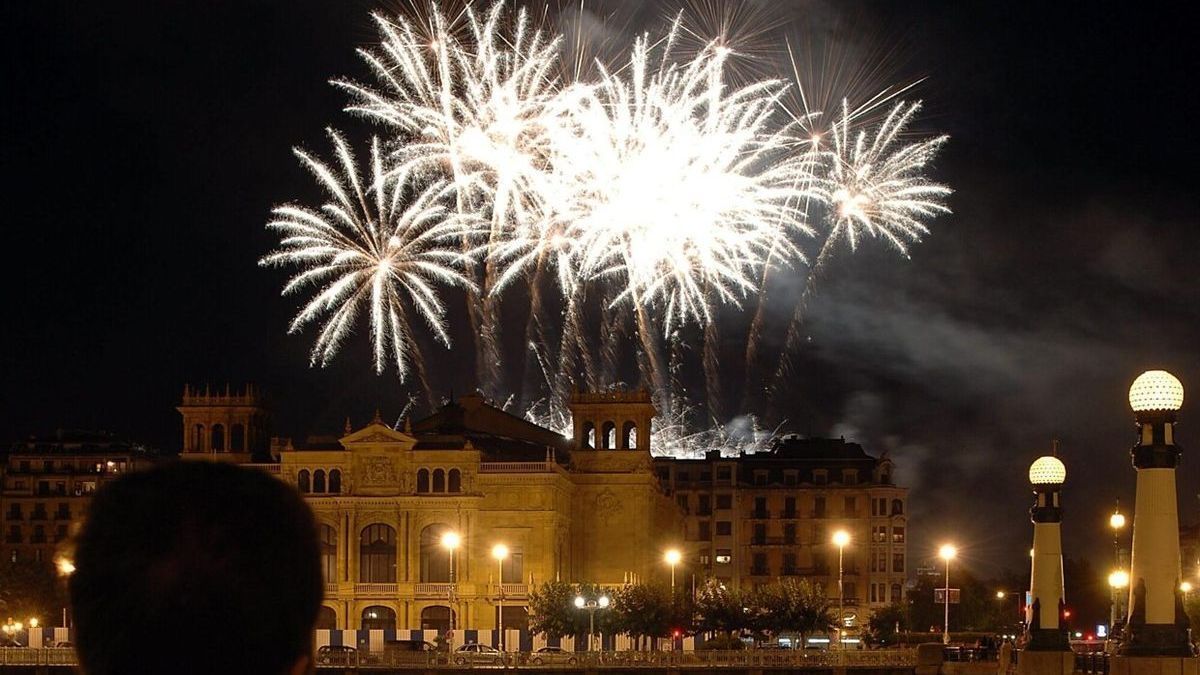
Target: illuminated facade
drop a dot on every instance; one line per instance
(754, 518)
(385, 497)
(48, 483)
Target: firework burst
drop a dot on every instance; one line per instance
(377, 245)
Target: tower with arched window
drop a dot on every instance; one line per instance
(614, 420)
(229, 425)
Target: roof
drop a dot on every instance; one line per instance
(500, 435)
(78, 442)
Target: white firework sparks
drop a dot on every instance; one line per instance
(876, 184)
(377, 245)
(675, 186)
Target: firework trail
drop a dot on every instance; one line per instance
(377, 245)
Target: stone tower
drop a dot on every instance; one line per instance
(612, 420)
(227, 426)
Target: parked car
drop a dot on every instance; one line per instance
(337, 655)
(553, 656)
(475, 653)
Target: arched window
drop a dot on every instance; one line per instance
(326, 618)
(237, 437)
(319, 480)
(198, 437)
(897, 507)
(628, 436)
(896, 592)
(454, 481)
(436, 618)
(328, 537)
(377, 555)
(378, 617)
(608, 436)
(589, 436)
(439, 480)
(435, 558)
(302, 483)
(335, 481)
(423, 480)
(218, 438)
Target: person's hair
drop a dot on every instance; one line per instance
(195, 567)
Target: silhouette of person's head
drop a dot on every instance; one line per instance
(196, 567)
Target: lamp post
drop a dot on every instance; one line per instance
(1118, 581)
(450, 541)
(672, 558)
(840, 539)
(1156, 624)
(1116, 522)
(591, 606)
(947, 553)
(1046, 628)
(500, 552)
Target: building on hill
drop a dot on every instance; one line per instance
(754, 518)
(47, 483)
(385, 498)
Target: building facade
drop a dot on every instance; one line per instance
(754, 518)
(48, 483)
(385, 498)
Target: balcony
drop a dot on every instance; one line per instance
(271, 467)
(511, 590)
(331, 587)
(760, 571)
(389, 590)
(760, 514)
(12, 538)
(431, 590)
(789, 514)
(518, 467)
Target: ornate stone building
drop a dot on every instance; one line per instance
(385, 498)
(755, 518)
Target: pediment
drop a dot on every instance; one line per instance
(378, 434)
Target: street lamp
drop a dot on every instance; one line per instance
(591, 606)
(947, 553)
(451, 541)
(672, 558)
(840, 539)
(500, 552)
(1118, 581)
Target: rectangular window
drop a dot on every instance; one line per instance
(897, 562)
(820, 477)
(760, 534)
(897, 535)
(760, 477)
(724, 528)
(874, 596)
(48, 466)
(849, 506)
(789, 563)
(60, 533)
(874, 561)
(724, 501)
(850, 590)
(682, 476)
(60, 487)
(704, 532)
(819, 507)
(682, 500)
(705, 476)
(883, 510)
(705, 556)
(789, 533)
(760, 508)
(43, 487)
(759, 565)
(724, 473)
(512, 570)
(789, 477)
(705, 506)
(789, 507)
(724, 556)
(850, 477)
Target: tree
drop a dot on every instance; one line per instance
(552, 610)
(643, 610)
(795, 606)
(719, 609)
(30, 589)
(885, 621)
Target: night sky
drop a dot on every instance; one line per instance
(145, 144)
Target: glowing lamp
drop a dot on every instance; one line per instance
(451, 540)
(1047, 470)
(673, 557)
(1118, 579)
(1156, 390)
(1186, 587)
(499, 551)
(603, 601)
(841, 538)
(1116, 521)
(579, 601)
(947, 552)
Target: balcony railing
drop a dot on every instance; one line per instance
(331, 587)
(377, 589)
(760, 513)
(511, 590)
(517, 467)
(271, 468)
(431, 590)
(760, 571)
